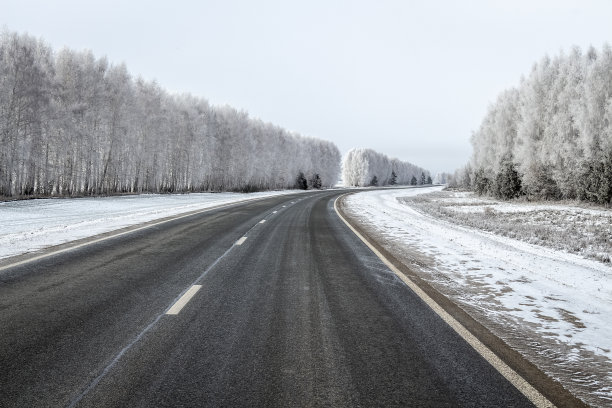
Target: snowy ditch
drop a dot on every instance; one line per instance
(551, 305)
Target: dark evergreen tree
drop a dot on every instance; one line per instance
(315, 181)
(301, 182)
(374, 181)
(605, 185)
(595, 180)
(413, 181)
(507, 181)
(429, 180)
(393, 180)
(423, 179)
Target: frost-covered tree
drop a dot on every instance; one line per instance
(556, 128)
(73, 124)
(441, 178)
(360, 166)
(26, 109)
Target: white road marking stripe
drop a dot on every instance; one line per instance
(241, 240)
(176, 308)
(512, 376)
(262, 221)
(274, 212)
(284, 206)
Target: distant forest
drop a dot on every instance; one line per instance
(550, 138)
(366, 167)
(72, 124)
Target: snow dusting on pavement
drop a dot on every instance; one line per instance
(552, 306)
(31, 225)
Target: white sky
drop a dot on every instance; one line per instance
(409, 79)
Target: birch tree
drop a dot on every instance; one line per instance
(72, 124)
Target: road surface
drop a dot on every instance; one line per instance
(275, 303)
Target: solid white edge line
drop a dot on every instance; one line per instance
(512, 376)
(179, 304)
(241, 241)
(95, 241)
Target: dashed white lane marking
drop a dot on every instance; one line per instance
(176, 308)
(274, 212)
(519, 382)
(262, 221)
(284, 206)
(118, 357)
(241, 241)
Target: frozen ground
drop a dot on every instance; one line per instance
(30, 225)
(552, 306)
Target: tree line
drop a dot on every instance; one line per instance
(73, 124)
(366, 167)
(550, 137)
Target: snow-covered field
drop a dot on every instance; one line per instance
(32, 225)
(574, 227)
(552, 306)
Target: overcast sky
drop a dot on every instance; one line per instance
(409, 79)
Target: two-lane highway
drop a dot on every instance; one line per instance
(279, 304)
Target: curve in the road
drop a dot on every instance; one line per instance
(299, 313)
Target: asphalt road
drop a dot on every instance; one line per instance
(301, 313)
